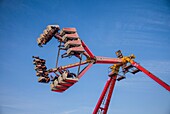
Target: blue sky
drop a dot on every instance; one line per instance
(141, 27)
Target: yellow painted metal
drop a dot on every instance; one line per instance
(127, 59)
(115, 67)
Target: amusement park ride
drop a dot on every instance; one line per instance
(72, 45)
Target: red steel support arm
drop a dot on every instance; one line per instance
(102, 96)
(74, 65)
(85, 70)
(110, 94)
(106, 60)
(69, 66)
(88, 50)
(108, 87)
(159, 81)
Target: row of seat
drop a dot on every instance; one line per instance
(68, 36)
(125, 69)
(47, 35)
(130, 68)
(71, 42)
(41, 70)
(63, 82)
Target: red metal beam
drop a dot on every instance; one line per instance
(70, 66)
(159, 81)
(102, 96)
(106, 60)
(85, 70)
(108, 87)
(74, 65)
(88, 50)
(110, 94)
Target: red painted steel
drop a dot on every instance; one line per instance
(88, 50)
(85, 70)
(105, 60)
(163, 84)
(74, 65)
(69, 66)
(102, 96)
(110, 94)
(108, 87)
